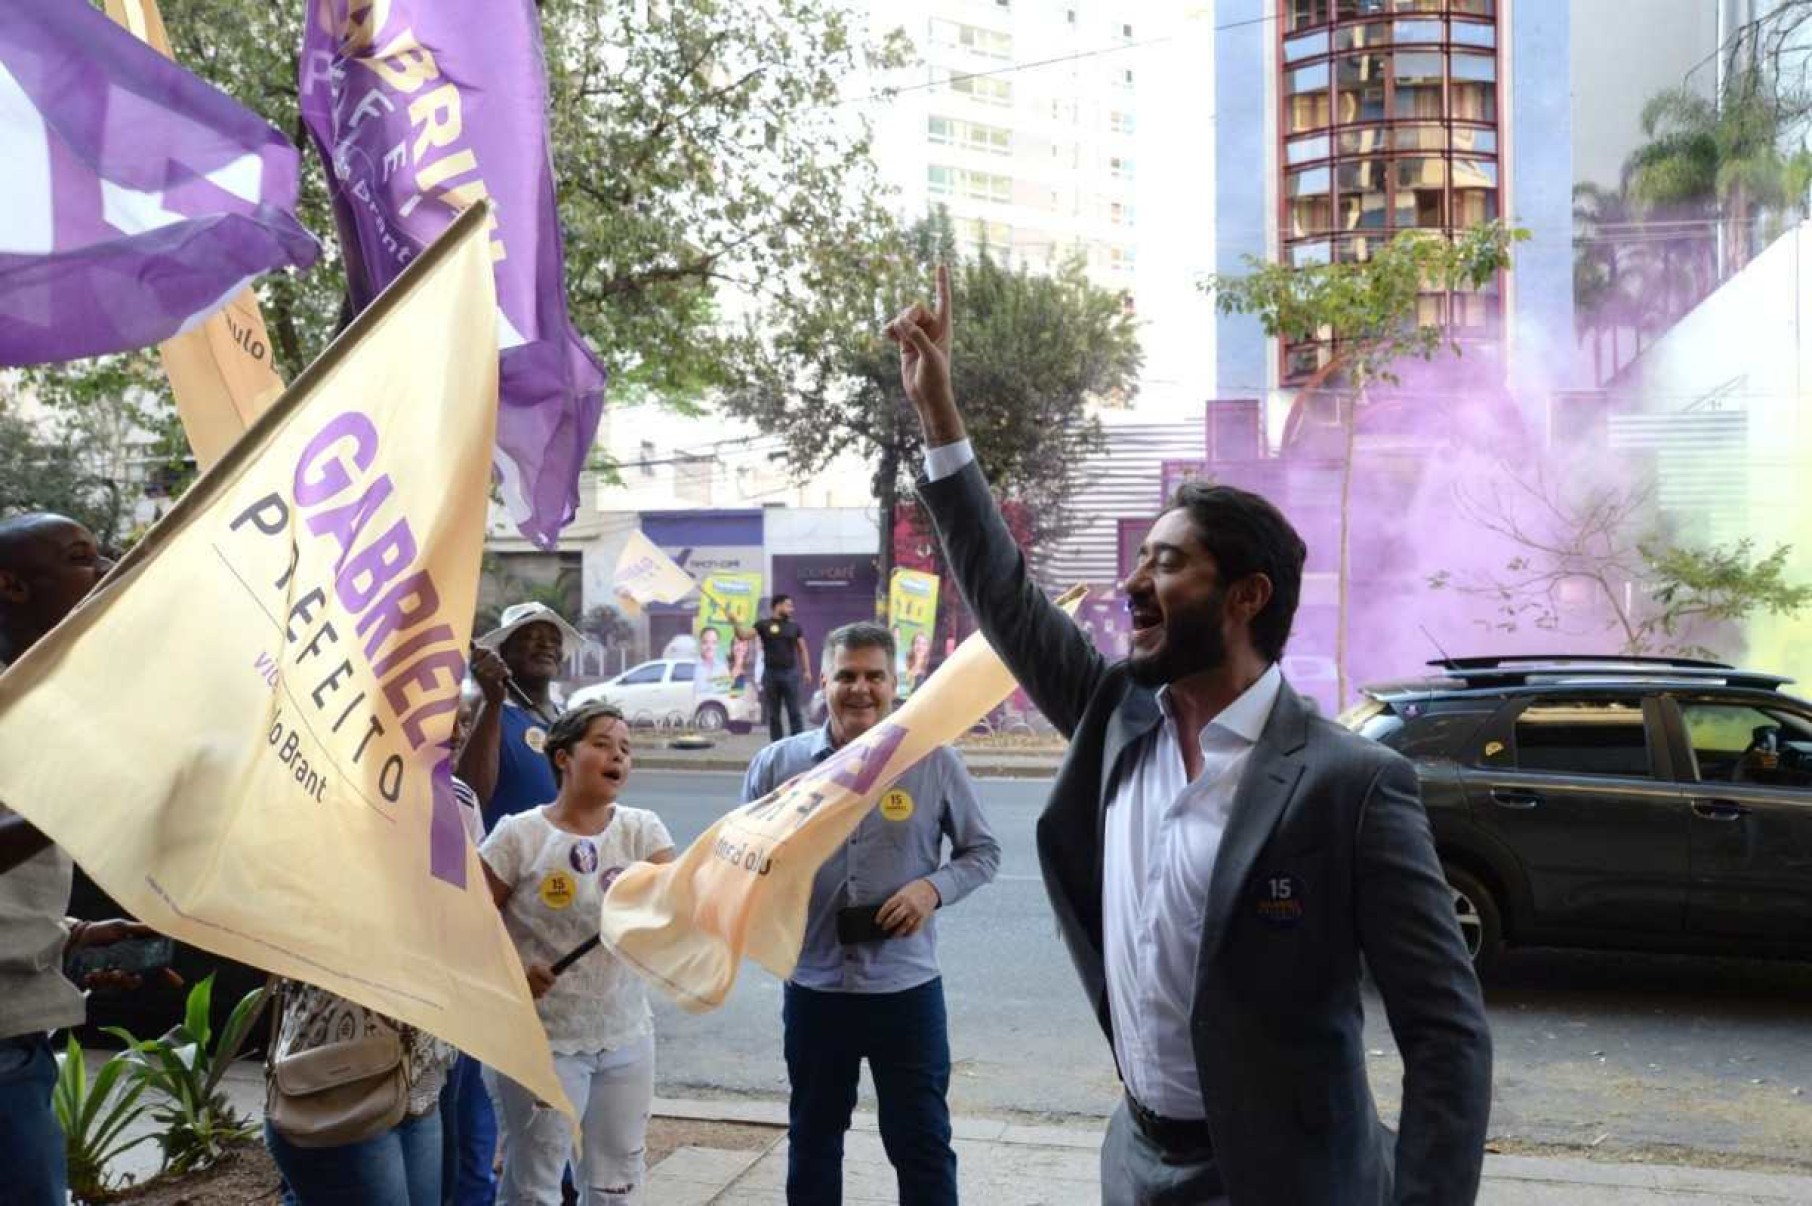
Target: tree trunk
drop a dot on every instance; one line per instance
(1349, 430)
(887, 496)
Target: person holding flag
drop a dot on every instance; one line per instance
(549, 868)
(48, 564)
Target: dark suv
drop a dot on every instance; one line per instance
(1630, 803)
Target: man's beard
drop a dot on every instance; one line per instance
(1193, 643)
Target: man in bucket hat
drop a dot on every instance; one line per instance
(515, 665)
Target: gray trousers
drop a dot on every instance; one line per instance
(1137, 1172)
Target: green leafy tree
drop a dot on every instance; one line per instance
(1738, 160)
(1034, 355)
(1371, 309)
(1651, 593)
(41, 472)
(700, 149)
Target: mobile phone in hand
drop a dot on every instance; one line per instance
(138, 956)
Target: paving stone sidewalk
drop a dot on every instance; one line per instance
(1007, 1164)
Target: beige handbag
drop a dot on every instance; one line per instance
(340, 1093)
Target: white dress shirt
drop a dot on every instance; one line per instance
(1163, 834)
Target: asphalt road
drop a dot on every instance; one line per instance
(1643, 1054)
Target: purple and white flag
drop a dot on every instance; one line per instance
(419, 108)
(137, 199)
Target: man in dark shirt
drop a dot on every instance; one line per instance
(784, 654)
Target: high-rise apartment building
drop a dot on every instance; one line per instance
(1370, 117)
(1053, 127)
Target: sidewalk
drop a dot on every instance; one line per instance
(986, 758)
(1011, 1164)
(1006, 1164)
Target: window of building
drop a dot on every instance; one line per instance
(1483, 142)
(1362, 37)
(1474, 33)
(1126, 30)
(1120, 167)
(970, 135)
(1303, 13)
(1120, 122)
(1308, 103)
(988, 89)
(987, 43)
(1306, 150)
(945, 181)
(1305, 46)
(1126, 78)
(1417, 76)
(1120, 259)
(1359, 81)
(1411, 33)
(647, 457)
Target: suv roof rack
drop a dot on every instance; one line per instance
(1516, 659)
(1522, 669)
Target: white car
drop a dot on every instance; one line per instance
(662, 692)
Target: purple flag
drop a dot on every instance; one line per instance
(420, 107)
(137, 198)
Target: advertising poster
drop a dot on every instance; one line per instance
(912, 612)
(726, 601)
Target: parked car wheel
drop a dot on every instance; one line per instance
(710, 718)
(1481, 921)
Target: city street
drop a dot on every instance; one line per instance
(1616, 1053)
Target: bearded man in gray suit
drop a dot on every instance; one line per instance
(1221, 860)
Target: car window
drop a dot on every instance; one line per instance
(1583, 736)
(1736, 743)
(683, 672)
(651, 672)
(1437, 734)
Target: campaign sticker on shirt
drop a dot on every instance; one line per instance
(583, 856)
(896, 805)
(1280, 900)
(558, 890)
(608, 877)
(773, 630)
(536, 739)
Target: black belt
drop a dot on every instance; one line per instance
(1172, 1134)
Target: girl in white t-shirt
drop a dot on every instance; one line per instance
(548, 869)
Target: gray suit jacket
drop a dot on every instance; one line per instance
(1277, 1019)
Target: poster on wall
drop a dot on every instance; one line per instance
(912, 611)
(726, 665)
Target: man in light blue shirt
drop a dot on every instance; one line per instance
(867, 984)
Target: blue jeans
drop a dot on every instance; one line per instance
(401, 1167)
(468, 1175)
(31, 1142)
(905, 1039)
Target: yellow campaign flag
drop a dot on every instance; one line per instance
(743, 887)
(244, 735)
(221, 373)
(645, 574)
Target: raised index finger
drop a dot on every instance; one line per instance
(943, 296)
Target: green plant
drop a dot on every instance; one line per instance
(197, 1122)
(94, 1116)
